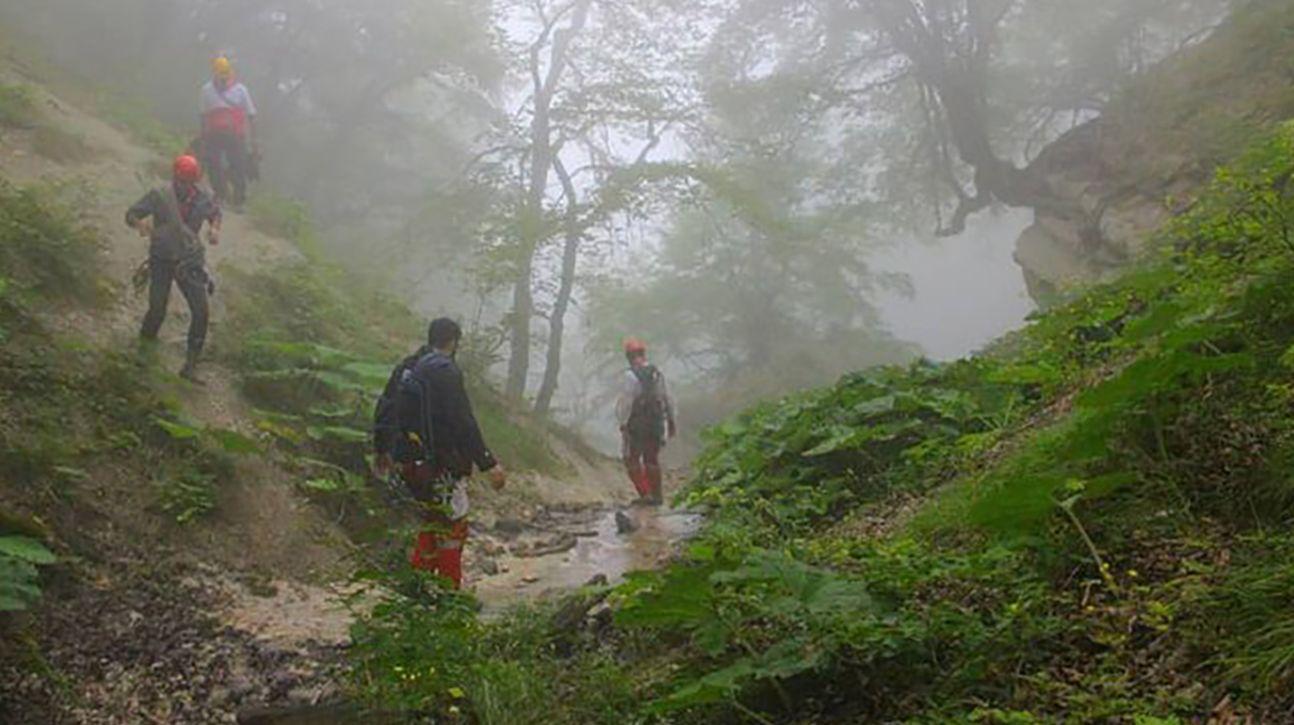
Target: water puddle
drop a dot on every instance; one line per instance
(642, 538)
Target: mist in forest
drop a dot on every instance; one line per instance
(771, 193)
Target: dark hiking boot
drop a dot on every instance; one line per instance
(190, 370)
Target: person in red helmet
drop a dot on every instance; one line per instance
(172, 216)
(645, 413)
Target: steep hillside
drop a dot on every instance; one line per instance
(1156, 145)
(191, 541)
(1089, 523)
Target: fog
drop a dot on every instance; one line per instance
(771, 193)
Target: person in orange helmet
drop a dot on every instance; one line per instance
(172, 216)
(645, 413)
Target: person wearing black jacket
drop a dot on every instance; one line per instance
(438, 481)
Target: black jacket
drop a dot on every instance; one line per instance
(196, 208)
(456, 437)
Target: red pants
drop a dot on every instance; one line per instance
(642, 462)
(439, 550)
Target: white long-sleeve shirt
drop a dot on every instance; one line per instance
(630, 389)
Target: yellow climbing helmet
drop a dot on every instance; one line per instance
(222, 68)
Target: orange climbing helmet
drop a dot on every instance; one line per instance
(187, 168)
(635, 347)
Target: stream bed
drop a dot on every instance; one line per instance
(562, 551)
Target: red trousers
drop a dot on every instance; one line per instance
(439, 550)
(642, 463)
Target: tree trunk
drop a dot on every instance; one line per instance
(541, 161)
(957, 79)
(557, 321)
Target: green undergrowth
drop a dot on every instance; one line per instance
(18, 107)
(1091, 522)
(73, 418)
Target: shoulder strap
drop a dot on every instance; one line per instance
(647, 378)
(172, 205)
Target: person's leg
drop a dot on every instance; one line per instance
(423, 556)
(237, 155)
(652, 470)
(438, 549)
(160, 274)
(193, 285)
(632, 457)
(213, 148)
(449, 553)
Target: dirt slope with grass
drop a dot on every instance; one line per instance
(198, 577)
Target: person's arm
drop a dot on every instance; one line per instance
(463, 420)
(143, 209)
(215, 221)
(625, 401)
(671, 422)
(249, 107)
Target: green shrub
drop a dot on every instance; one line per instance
(19, 577)
(46, 250)
(18, 107)
(284, 218)
(187, 496)
(1086, 523)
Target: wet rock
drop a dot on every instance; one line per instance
(510, 527)
(597, 580)
(303, 696)
(562, 543)
(624, 524)
(240, 687)
(599, 617)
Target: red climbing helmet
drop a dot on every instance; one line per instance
(187, 168)
(635, 347)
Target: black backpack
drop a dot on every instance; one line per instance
(402, 417)
(647, 417)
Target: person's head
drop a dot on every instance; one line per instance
(222, 70)
(444, 335)
(635, 351)
(186, 169)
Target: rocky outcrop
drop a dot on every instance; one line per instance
(1154, 146)
(1085, 165)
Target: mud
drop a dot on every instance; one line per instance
(146, 648)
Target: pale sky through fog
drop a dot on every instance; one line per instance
(968, 290)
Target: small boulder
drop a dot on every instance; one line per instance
(624, 524)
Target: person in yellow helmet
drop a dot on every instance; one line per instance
(228, 129)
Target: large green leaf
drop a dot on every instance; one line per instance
(26, 549)
(369, 373)
(234, 442)
(177, 431)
